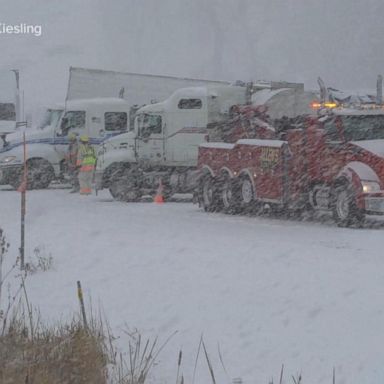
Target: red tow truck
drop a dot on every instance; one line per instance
(331, 161)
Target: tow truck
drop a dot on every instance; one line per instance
(332, 161)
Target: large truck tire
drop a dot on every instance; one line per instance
(40, 174)
(124, 186)
(344, 207)
(229, 195)
(209, 196)
(246, 194)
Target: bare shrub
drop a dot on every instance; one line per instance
(142, 356)
(41, 260)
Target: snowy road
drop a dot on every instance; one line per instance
(269, 291)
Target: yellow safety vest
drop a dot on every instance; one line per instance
(86, 157)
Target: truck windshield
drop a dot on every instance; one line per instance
(355, 127)
(7, 112)
(72, 120)
(51, 118)
(149, 124)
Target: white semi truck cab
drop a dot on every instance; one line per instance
(10, 107)
(164, 143)
(46, 146)
(7, 117)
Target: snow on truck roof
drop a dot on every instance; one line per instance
(349, 96)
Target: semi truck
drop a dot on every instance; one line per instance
(333, 161)
(92, 107)
(46, 145)
(163, 148)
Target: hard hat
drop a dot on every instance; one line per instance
(72, 136)
(84, 138)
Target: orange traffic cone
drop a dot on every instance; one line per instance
(159, 198)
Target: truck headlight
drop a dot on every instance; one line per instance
(370, 186)
(8, 159)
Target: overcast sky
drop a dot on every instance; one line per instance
(292, 40)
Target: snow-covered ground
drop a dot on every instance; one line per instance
(307, 295)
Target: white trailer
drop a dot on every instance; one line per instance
(135, 88)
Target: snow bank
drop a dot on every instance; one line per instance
(268, 291)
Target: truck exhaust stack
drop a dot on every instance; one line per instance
(379, 90)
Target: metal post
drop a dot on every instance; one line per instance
(379, 90)
(19, 116)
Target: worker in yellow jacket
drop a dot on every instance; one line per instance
(86, 161)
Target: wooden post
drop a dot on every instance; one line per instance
(81, 301)
(178, 366)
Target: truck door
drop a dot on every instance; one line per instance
(150, 139)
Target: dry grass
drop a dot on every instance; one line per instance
(71, 354)
(56, 355)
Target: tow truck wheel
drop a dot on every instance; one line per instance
(123, 187)
(208, 194)
(229, 195)
(345, 210)
(246, 193)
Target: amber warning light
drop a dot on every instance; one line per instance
(318, 105)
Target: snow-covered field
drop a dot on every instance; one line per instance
(270, 292)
